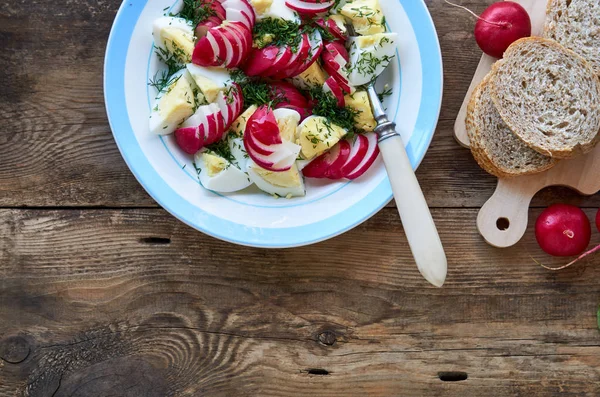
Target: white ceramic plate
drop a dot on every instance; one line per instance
(251, 217)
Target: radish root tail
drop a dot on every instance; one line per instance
(580, 257)
(501, 24)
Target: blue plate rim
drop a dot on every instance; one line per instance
(166, 197)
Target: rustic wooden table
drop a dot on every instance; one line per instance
(102, 293)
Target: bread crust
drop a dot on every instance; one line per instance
(481, 154)
(557, 152)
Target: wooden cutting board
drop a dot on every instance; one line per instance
(502, 220)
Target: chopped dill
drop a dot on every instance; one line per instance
(164, 78)
(326, 106)
(254, 92)
(277, 32)
(196, 11)
(221, 149)
(385, 93)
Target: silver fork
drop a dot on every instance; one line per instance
(421, 233)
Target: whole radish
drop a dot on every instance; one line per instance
(598, 220)
(563, 230)
(500, 25)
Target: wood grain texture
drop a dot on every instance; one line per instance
(134, 303)
(56, 148)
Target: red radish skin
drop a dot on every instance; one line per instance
(260, 60)
(283, 92)
(335, 47)
(282, 59)
(331, 85)
(580, 257)
(335, 170)
(369, 159)
(304, 112)
(500, 25)
(263, 126)
(563, 230)
(204, 26)
(337, 31)
(188, 139)
(358, 151)
(204, 54)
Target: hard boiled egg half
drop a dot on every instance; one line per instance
(218, 173)
(174, 36)
(369, 56)
(174, 104)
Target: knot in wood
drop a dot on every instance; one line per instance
(326, 338)
(14, 349)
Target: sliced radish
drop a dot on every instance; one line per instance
(358, 150)
(319, 167)
(303, 112)
(297, 59)
(314, 50)
(260, 60)
(253, 145)
(225, 110)
(234, 15)
(336, 47)
(206, 51)
(305, 7)
(216, 7)
(338, 30)
(263, 126)
(244, 33)
(331, 85)
(278, 161)
(222, 46)
(232, 45)
(215, 124)
(334, 66)
(250, 10)
(190, 139)
(204, 26)
(262, 140)
(286, 93)
(335, 170)
(245, 9)
(282, 59)
(370, 156)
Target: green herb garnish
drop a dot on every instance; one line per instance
(326, 106)
(221, 149)
(164, 78)
(196, 11)
(277, 32)
(254, 92)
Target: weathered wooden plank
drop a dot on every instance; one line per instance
(96, 294)
(56, 148)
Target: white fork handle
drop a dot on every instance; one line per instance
(416, 219)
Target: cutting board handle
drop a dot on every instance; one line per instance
(502, 220)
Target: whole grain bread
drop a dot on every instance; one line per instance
(548, 96)
(576, 25)
(494, 146)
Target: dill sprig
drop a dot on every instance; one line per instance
(278, 32)
(196, 11)
(254, 92)
(326, 106)
(221, 149)
(164, 78)
(385, 93)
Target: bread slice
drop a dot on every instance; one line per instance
(548, 96)
(576, 25)
(494, 146)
